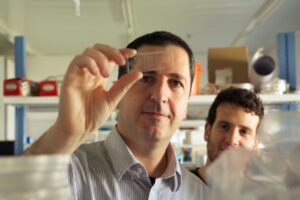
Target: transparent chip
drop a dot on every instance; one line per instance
(150, 61)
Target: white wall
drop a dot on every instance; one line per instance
(40, 67)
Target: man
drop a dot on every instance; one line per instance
(232, 122)
(136, 161)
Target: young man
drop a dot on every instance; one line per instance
(136, 161)
(232, 122)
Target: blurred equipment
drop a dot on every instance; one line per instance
(7, 148)
(261, 70)
(269, 173)
(196, 81)
(34, 177)
(247, 86)
(276, 86)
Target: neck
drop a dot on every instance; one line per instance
(152, 155)
(155, 163)
(202, 171)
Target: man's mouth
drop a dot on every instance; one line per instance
(156, 114)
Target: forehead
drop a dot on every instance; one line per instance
(170, 58)
(236, 115)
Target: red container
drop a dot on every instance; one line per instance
(16, 87)
(49, 88)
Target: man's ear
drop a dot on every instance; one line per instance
(207, 129)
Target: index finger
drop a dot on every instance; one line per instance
(113, 54)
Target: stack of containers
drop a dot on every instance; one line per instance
(35, 177)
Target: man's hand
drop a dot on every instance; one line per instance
(85, 104)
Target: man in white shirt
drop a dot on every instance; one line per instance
(136, 161)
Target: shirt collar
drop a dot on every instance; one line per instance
(173, 171)
(122, 159)
(120, 155)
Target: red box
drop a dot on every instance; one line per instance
(16, 87)
(49, 88)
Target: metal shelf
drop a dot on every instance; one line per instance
(185, 124)
(266, 98)
(31, 101)
(194, 100)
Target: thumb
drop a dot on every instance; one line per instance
(120, 87)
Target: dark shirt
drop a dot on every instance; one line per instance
(152, 179)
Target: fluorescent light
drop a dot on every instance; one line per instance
(266, 10)
(260, 15)
(128, 17)
(250, 26)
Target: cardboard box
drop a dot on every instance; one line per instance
(228, 65)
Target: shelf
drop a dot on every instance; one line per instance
(266, 98)
(185, 124)
(194, 100)
(279, 99)
(31, 101)
(192, 123)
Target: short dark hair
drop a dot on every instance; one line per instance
(161, 38)
(237, 96)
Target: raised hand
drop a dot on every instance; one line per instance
(85, 104)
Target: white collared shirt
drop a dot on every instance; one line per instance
(109, 170)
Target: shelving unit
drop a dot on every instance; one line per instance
(31, 101)
(194, 100)
(200, 100)
(266, 98)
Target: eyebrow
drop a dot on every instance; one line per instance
(226, 122)
(173, 75)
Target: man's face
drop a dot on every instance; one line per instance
(154, 107)
(233, 128)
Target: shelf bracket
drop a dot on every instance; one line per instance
(287, 63)
(20, 60)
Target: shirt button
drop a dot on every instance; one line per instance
(139, 170)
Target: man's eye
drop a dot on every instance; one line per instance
(244, 132)
(176, 83)
(224, 127)
(147, 79)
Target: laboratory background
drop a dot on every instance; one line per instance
(230, 40)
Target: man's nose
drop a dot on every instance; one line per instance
(233, 138)
(160, 92)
